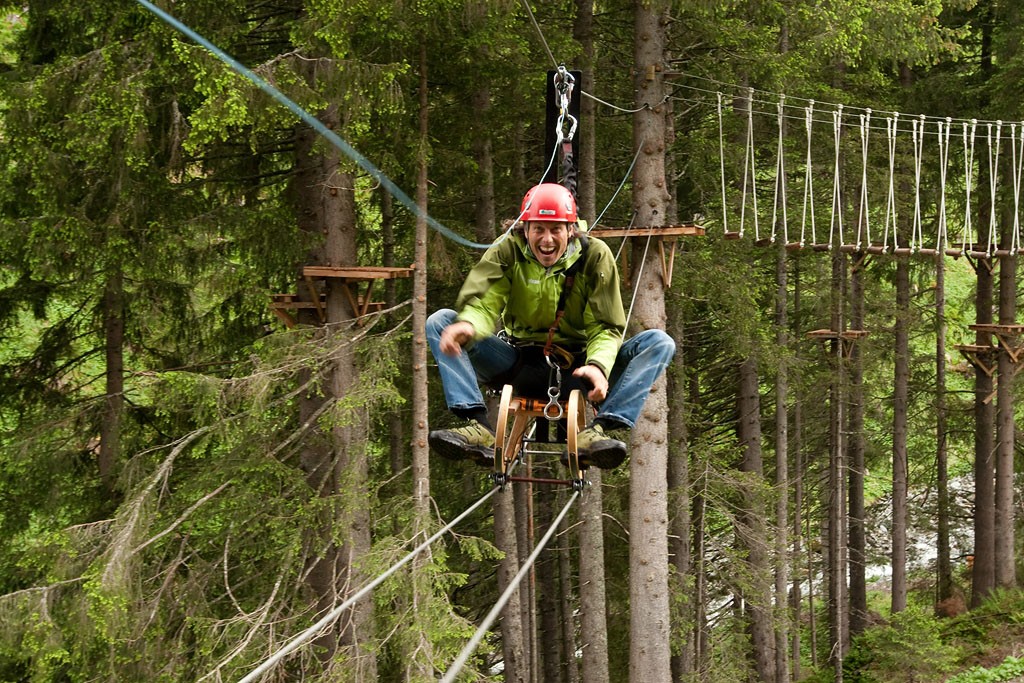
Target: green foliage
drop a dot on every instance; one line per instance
(129, 152)
(917, 646)
(1009, 669)
(882, 653)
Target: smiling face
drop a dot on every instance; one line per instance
(548, 240)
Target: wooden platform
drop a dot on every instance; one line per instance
(1008, 336)
(846, 338)
(349, 277)
(833, 334)
(356, 273)
(681, 230)
(668, 234)
(982, 357)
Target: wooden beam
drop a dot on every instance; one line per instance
(686, 229)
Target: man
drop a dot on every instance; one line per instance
(522, 281)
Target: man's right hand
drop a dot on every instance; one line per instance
(455, 336)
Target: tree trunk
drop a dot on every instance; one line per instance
(548, 596)
(524, 538)
(586, 192)
(567, 603)
(901, 382)
(944, 568)
(650, 652)
(398, 439)
(1005, 571)
(593, 625)
(781, 466)
(484, 223)
(349, 461)
(513, 650)
(751, 528)
(113, 400)
(795, 598)
(679, 495)
(701, 653)
(856, 445)
(983, 573)
(419, 662)
(327, 198)
(837, 491)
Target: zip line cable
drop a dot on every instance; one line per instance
(513, 585)
(556, 64)
(331, 616)
(536, 26)
(622, 184)
(318, 126)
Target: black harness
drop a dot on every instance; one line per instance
(527, 375)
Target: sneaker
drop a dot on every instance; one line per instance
(473, 442)
(598, 449)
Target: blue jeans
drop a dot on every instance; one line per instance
(640, 362)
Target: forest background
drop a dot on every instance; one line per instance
(191, 478)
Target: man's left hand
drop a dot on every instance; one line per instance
(592, 375)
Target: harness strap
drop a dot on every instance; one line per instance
(567, 284)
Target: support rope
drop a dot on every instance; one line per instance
(331, 616)
(492, 616)
(721, 166)
(916, 230)
(993, 172)
(636, 280)
(536, 26)
(314, 123)
(808, 179)
(748, 165)
(864, 216)
(942, 239)
(836, 223)
(1018, 160)
(622, 184)
(780, 180)
(969, 238)
(891, 126)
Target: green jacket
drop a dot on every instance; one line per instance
(509, 284)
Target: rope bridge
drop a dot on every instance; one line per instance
(905, 178)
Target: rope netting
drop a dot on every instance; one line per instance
(929, 198)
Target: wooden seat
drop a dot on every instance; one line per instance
(515, 414)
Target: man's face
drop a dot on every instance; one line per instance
(548, 240)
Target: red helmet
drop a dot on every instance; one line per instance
(549, 202)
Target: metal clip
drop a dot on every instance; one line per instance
(564, 84)
(553, 410)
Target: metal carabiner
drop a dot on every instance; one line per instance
(564, 84)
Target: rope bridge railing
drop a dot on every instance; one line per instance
(907, 180)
